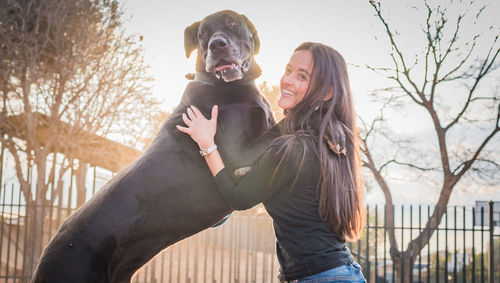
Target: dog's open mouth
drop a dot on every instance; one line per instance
(224, 67)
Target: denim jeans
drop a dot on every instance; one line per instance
(345, 273)
(222, 221)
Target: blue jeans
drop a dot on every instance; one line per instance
(222, 221)
(345, 273)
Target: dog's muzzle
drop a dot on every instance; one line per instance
(220, 62)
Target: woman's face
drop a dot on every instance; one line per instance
(296, 79)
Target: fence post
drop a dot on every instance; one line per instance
(473, 244)
(492, 246)
(368, 241)
(1, 165)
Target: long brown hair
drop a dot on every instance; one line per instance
(339, 190)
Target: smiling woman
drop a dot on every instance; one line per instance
(309, 176)
(295, 81)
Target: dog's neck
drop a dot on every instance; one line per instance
(210, 78)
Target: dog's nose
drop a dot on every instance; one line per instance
(217, 43)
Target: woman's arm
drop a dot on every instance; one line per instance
(203, 131)
(214, 162)
(271, 172)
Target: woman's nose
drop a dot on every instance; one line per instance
(285, 80)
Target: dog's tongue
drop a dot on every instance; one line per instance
(224, 67)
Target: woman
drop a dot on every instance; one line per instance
(309, 177)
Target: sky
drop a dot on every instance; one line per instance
(348, 26)
(281, 28)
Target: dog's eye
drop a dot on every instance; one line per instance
(204, 36)
(233, 25)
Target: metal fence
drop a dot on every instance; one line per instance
(464, 247)
(243, 249)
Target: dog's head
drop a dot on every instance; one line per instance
(226, 43)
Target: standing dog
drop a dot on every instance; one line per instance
(168, 194)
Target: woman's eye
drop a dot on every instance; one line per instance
(302, 77)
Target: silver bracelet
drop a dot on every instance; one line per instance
(206, 151)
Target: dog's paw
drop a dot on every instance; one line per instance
(240, 172)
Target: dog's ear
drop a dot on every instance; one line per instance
(255, 36)
(191, 38)
(254, 72)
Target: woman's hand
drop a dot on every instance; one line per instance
(201, 130)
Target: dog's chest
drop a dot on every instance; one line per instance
(243, 116)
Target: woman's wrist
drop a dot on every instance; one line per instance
(206, 151)
(214, 162)
(207, 144)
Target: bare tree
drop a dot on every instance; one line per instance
(69, 75)
(448, 79)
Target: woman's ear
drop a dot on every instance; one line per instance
(329, 95)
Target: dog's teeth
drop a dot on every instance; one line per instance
(217, 75)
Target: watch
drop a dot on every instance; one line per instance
(206, 151)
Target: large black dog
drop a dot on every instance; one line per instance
(168, 193)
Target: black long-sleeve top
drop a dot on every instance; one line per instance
(305, 245)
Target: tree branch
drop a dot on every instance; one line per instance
(410, 165)
(467, 164)
(485, 68)
(406, 70)
(389, 209)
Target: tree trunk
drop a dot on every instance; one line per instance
(34, 243)
(403, 265)
(36, 214)
(81, 174)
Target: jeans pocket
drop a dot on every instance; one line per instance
(355, 264)
(356, 271)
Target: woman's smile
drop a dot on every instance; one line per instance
(286, 92)
(295, 81)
